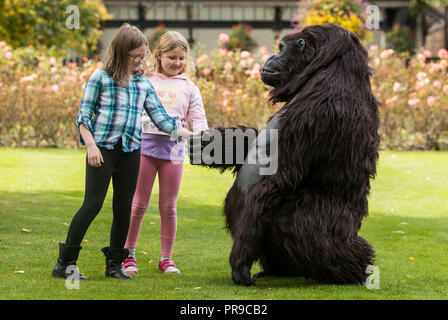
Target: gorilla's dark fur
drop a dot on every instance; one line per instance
(304, 219)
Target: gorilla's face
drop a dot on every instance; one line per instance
(290, 60)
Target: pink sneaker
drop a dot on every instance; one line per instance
(168, 266)
(130, 265)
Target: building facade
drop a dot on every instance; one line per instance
(201, 21)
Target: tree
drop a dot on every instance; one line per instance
(345, 13)
(46, 23)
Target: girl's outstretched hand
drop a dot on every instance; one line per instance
(184, 133)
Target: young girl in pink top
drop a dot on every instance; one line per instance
(159, 155)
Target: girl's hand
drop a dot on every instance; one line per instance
(184, 133)
(94, 156)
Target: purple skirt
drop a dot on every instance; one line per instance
(159, 146)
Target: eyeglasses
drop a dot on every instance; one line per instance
(137, 59)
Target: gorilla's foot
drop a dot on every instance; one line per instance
(241, 276)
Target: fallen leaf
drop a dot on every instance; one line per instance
(53, 241)
(64, 224)
(85, 240)
(270, 289)
(151, 261)
(177, 289)
(26, 242)
(19, 271)
(4, 275)
(152, 222)
(409, 276)
(411, 258)
(143, 252)
(25, 230)
(197, 288)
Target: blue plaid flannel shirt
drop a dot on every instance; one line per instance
(118, 111)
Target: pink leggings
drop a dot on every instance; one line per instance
(170, 176)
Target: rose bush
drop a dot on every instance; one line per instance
(414, 94)
(40, 96)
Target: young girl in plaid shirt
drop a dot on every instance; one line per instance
(117, 96)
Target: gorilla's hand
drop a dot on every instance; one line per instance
(196, 144)
(221, 148)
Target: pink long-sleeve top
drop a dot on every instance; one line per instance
(181, 98)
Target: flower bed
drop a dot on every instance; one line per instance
(40, 96)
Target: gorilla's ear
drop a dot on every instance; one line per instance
(301, 44)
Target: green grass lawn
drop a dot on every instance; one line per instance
(40, 191)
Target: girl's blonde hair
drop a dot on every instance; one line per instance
(170, 40)
(117, 59)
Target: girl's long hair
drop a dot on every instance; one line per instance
(117, 59)
(170, 40)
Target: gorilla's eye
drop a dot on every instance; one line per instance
(301, 44)
(281, 46)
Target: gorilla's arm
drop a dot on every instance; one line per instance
(222, 148)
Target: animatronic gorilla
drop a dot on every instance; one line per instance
(301, 218)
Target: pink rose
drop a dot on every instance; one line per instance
(264, 50)
(206, 72)
(421, 58)
(228, 66)
(222, 52)
(224, 37)
(421, 75)
(445, 88)
(431, 100)
(226, 93)
(8, 55)
(386, 53)
(245, 54)
(397, 86)
(443, 54)
(437, 84)
(427, 54)
(391, 100)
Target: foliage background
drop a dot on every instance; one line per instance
(42, 24)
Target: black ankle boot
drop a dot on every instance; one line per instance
(114, 260)
(66, 263)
